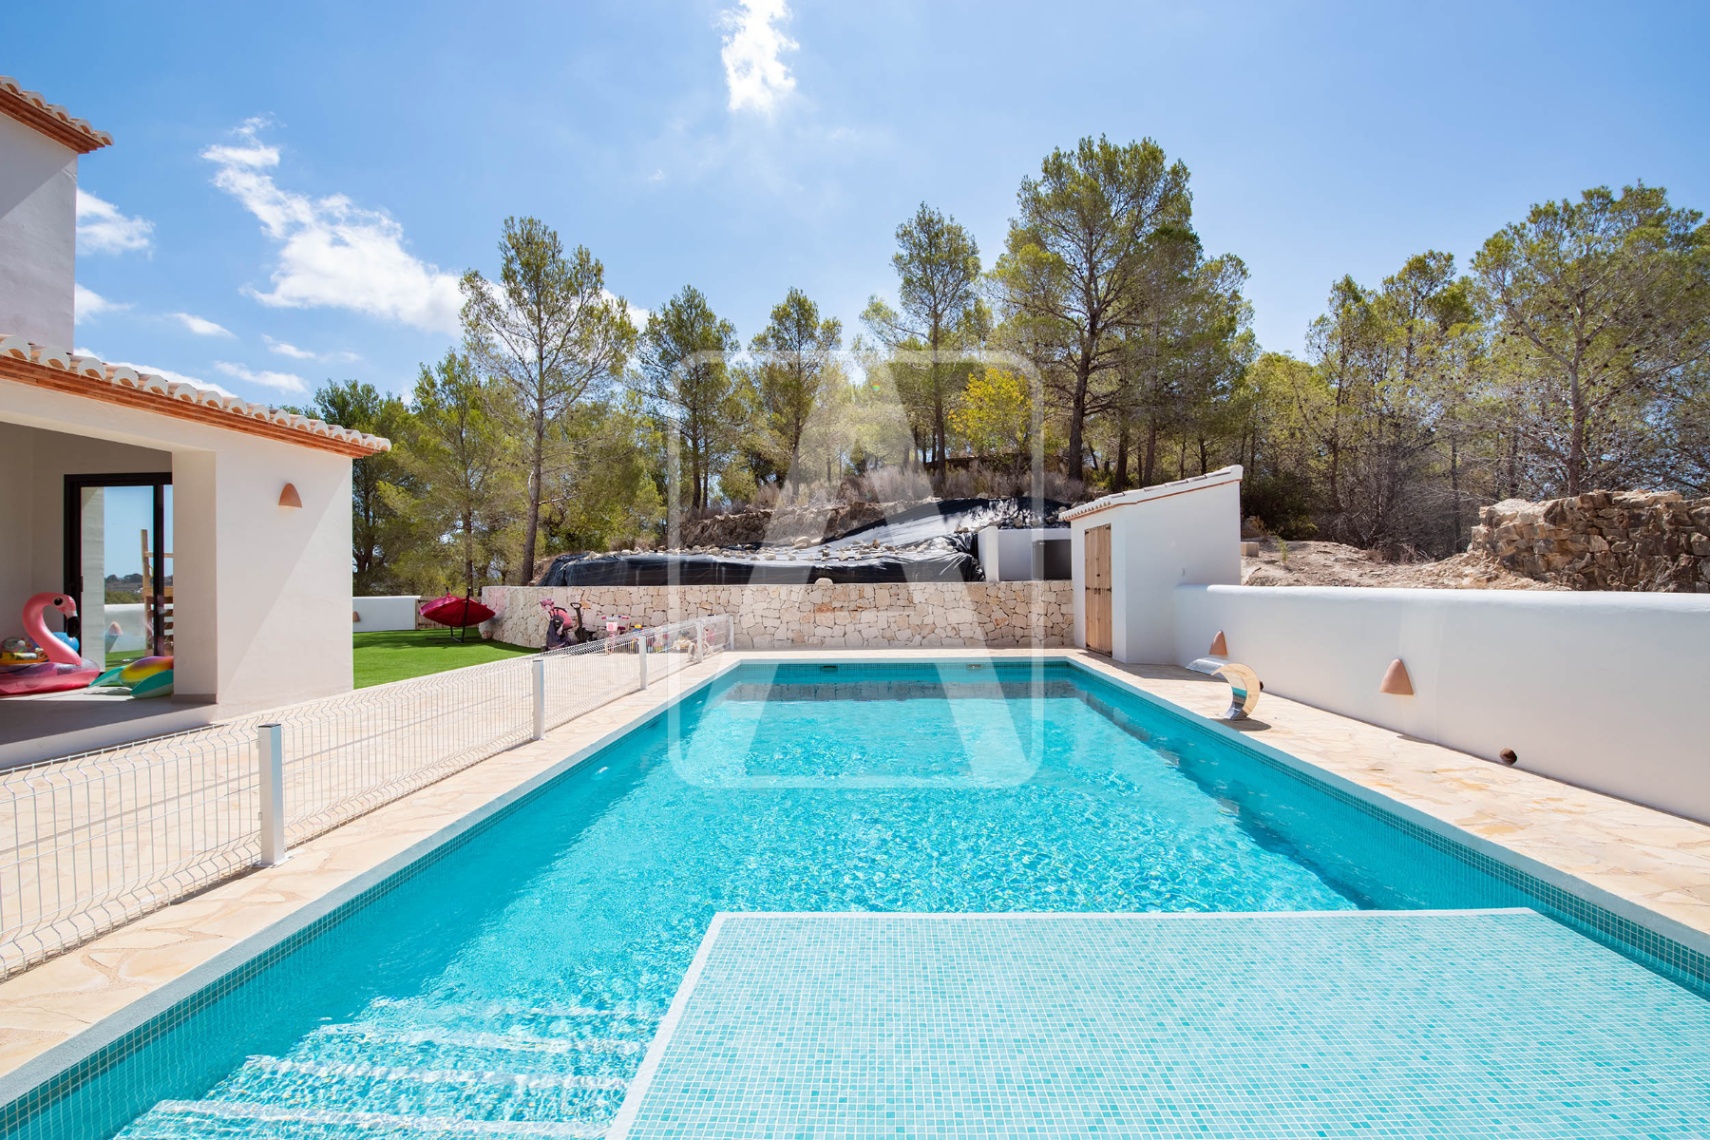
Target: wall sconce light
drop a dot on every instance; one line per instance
(289, 497)
(1396, 682)
(1219, 645)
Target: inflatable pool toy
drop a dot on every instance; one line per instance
(52, 666)
(144, 677)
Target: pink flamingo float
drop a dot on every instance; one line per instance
(58, 666)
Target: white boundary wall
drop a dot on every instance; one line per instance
(1603, 690)
(1007, 555)
(382, 613)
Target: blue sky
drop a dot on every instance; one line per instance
(293, 186)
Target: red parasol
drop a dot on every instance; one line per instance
(455, 612)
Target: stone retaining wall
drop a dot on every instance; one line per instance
(1621, 540)
(998, 615)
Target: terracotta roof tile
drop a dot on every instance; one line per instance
(55, 368)
(50, 119)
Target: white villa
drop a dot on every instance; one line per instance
(251, 590)
(1096, 840)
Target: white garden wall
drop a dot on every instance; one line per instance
(1010, 555)
(1597, 689)
(384, 613)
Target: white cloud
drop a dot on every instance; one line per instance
(291, 350)
(101, 228)
(283, 381)
(285, 349)
(333, 253)
(201, 326)
(87, 304)
(753, 68)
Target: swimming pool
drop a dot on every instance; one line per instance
(510, 983)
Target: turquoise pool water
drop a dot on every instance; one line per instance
(511, 985)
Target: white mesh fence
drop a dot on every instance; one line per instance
(584, 677)
(92, 841)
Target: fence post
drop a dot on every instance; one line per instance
(700, 640)
(539, 697)
(641, 652)
(270, 752)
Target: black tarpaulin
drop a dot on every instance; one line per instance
(932, 542)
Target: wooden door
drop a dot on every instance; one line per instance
(1097, 602)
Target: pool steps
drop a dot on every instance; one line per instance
(406, 1067)
(198, 1119)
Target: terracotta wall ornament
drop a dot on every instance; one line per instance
(1396, 682)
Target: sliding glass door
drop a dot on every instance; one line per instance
(118, 564)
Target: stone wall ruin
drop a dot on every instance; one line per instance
(1604, 540)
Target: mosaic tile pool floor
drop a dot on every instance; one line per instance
(1352, 1024)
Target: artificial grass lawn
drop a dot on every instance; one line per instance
(395, 656)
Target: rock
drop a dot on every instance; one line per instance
(1601, 540)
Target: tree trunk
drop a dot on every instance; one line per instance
(1120, 482)
(935, 343)
(469, 553)
(1455, 494)
(699, 473)
(1149, 468)
(940, 438)
(1576, 445)
(1513, 460)
(1336, 456)
(1077, 421)
(536, 473)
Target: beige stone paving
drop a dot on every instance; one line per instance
(1655, 864)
